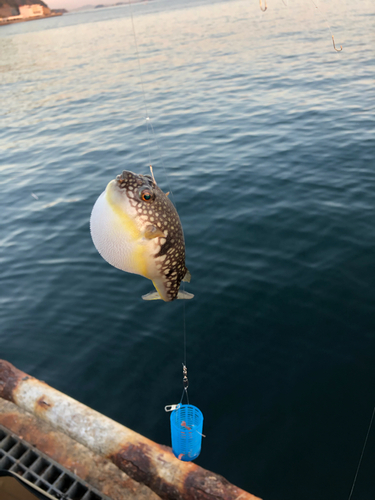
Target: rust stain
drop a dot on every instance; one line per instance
(166, 490)
(43, 403)
(46, 442)
(9, 379)
(90, 467)
(135, 461)
(206, 485)
(145, 464)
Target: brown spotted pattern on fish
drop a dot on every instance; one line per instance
(148, 233)
(160, 212)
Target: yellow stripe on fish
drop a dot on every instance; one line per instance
(136, 228)
(123, 224)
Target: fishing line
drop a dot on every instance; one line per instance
(184, 315)
(148, 119)
(363, 451)
(139, 64)
(329, 27)
(185, 381)
(142, 84)
(320, 12)
(149, 123)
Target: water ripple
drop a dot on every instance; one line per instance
(265, 136)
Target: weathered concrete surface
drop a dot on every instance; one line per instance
(99, 472)
(143, 460)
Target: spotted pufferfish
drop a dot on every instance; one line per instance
(136, 228)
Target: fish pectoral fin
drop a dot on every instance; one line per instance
(187, 276)
(153, 232)
(151, 296)
(184, 295)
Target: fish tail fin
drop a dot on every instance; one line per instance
(184, 295)
(151, 296)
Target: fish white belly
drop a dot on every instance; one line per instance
(113, 238)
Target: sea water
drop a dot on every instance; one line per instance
(265, 136)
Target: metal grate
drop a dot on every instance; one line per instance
(18, 456)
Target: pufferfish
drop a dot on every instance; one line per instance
(136, 228)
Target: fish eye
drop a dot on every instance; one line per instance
(146, 195)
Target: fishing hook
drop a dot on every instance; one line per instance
(265, 6)
(334, 46)
(152, 174)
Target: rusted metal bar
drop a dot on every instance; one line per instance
(95, 470)
(143, 460)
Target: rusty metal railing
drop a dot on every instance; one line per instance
(20, 457)
(143, 460)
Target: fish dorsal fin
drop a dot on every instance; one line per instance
(187, 276)
(153, 232)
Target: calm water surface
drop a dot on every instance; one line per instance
(266, 137)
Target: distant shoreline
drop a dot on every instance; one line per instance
(87, 7)
(34, 18)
